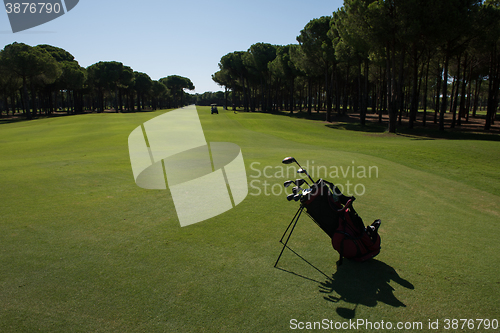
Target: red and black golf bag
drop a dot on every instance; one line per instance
(334, 214)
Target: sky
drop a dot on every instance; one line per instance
(164, 37)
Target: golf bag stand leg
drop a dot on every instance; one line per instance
(294, 219)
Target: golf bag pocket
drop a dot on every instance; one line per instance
(353, 241)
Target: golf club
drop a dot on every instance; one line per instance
(301, 181)
(301, 170)
(295, 190)
(307, 191)
(290, 160)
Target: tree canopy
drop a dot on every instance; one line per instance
(46, 78)
(390, 57)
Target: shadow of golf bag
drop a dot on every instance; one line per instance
(334, 214)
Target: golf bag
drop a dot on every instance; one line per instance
(334, 214)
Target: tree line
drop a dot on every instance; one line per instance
(43, 79)
(390, 56)
(209, 98)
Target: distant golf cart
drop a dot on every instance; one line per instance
(214, 109)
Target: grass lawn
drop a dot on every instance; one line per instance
(83, 249)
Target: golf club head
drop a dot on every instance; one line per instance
(290, 197)
(297, 196)
(299, 182)
(288, 183)
(288, 160)
(308, 176)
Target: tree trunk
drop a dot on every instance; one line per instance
(438, 92)
(337, 91)
(138, 102)
(26, 107)
(494, 79)
(414, 93)
(225, 97)
(383, 95)
(425, 91)
(400, 95)
(390, 94)
(476, 97)
(262, 95)
(364, 102)
(461, 110)
(33, 100)
(68, 102)
(328, 91)
(457, 89)
(445, 92)
(309, 96)
(102, 102)
(357, 96)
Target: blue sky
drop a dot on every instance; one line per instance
(163, 37)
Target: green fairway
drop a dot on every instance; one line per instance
(84, 249)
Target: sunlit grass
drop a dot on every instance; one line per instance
(82, 248)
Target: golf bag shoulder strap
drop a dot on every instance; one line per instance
(351, 235)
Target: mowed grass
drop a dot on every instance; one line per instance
(83, 249)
